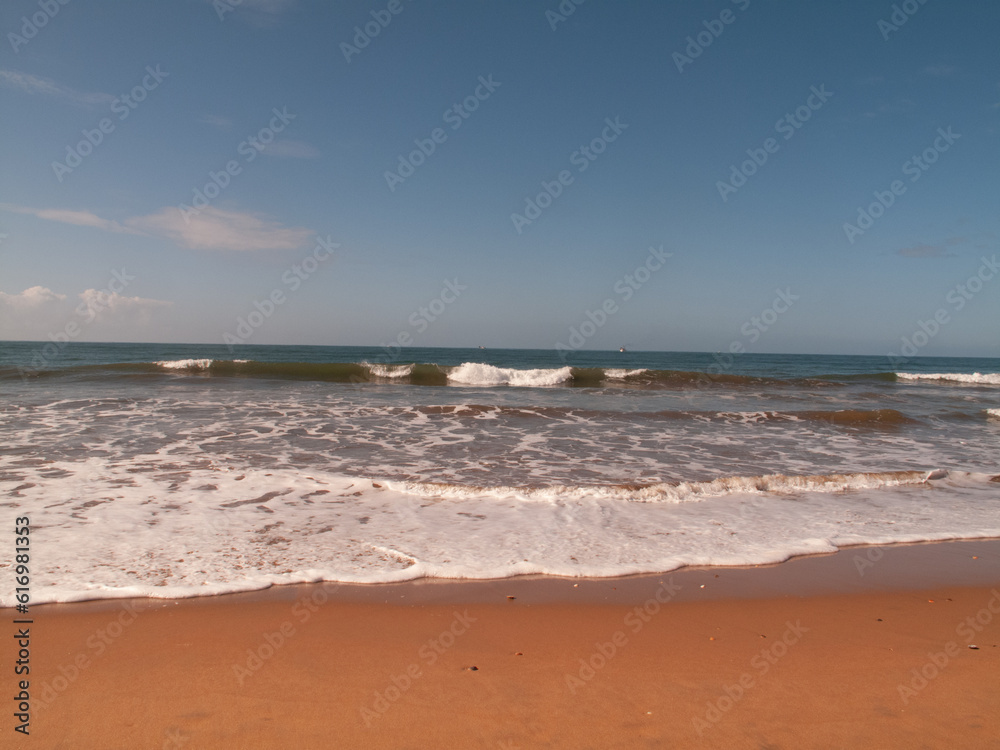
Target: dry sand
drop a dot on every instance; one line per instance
(865, 648)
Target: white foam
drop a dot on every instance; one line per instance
(106, 530)
(993, 413)
(185, 364)
(146, 491)
(755, 417)
(682, 492)
(617, 374)
(981, 378)
(389, 371)
(476, 373)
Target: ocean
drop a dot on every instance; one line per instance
(166, 470)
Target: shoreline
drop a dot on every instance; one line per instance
(861, 568)
(805, 653)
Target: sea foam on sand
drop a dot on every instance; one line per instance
(212, 530)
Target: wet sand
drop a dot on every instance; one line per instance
(866, 647)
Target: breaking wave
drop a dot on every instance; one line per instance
(679, 492)
(474, 373)
(842, 417)
(977, 378)
(481, 374)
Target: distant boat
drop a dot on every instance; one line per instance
(621, 349)
(482, 347)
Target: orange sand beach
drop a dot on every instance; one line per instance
(868, 647)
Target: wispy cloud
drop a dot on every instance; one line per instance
(209, 229)
(898, 106)
(262, 13)
(940, 71)
(925, 250)
(47, 87)
(217, 121)
(78, 218)
(291, 149)
(217, 229)
(273, 7)
(107, 305)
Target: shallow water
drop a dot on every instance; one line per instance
(169, 470)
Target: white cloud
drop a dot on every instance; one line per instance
(208, 229)
(927, 250)
(106, 304)
(38, 313)
(37, 85)
(217, 121)
(31, 298)
(940, 71)
(900, 105)
(78, 218)
(262, 13)
(218, 229)
(273, 7)
(291, 149)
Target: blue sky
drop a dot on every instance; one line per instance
(184, 89)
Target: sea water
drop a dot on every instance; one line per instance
(183, 470)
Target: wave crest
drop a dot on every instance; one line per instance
(977, 378)
(389, 371)
(615, 374)
(678, 492)
(475, 373)
(185, 364)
